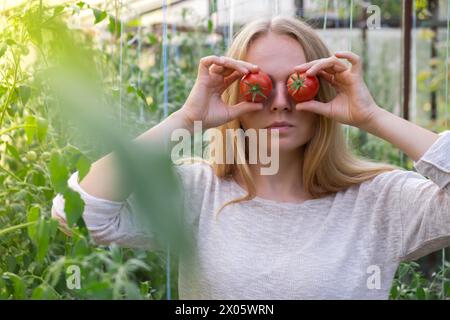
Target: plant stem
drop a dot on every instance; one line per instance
(17, 127)
(13, 87)
(16, 227)
(10, 174)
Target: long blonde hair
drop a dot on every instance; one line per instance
(328, 165)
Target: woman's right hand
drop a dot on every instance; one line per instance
(215, 75)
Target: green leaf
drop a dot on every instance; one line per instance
(57, 10)
(58, 172)
(41, 130)
(394, 291)
(52, 227)
(12, 151)
(43, 239)
(24, 93)
(116, 253)
(34, 22)
(81, 4)
(134, 23)
(99, 15)
(24, 49)
(3, 48)
(152, 39)
(38, 293)
(18, 285)
(210, 25)
(11, 263)
(138, 92)
(73, 206)
(31, 122)
(153, 107)
(114, 27)
(10, 42)
(144, 288)
(83, 166)
(420, 293)
(142, 96)
(43, 292)
(81, 247)
(4, 294)
(3, 90)
(132, 291)
(33, 216)
(134, 264)
(131, 89)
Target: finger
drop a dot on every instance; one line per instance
(242, 66)
(327, 76)
(305, 66)
(238, 64)
(228, 63)
(332, 78)
(228, 72)
(215, 64)
(222, 70)
(354, 59)
(315, 106)
(208, 61)
(216, 69)
(230, 79)
(331, 64)
(243, 107)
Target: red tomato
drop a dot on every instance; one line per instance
(255, 87)
(302, 87)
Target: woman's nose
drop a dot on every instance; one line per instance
(281, 100)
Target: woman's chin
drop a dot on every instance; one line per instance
(286, 145)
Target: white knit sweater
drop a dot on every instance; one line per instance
(344, 246)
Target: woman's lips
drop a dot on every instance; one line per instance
(281, 128)
(279, 123)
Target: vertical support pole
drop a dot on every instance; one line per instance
(433, 7)
(166, 113)
(406, 81)
(362, 137)
(299, 8)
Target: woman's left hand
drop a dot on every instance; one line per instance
(353, 105)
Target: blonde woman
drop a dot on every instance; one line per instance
(327, 225)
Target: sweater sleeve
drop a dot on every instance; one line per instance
(424, 204)
(107, 221)
(116, 222)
